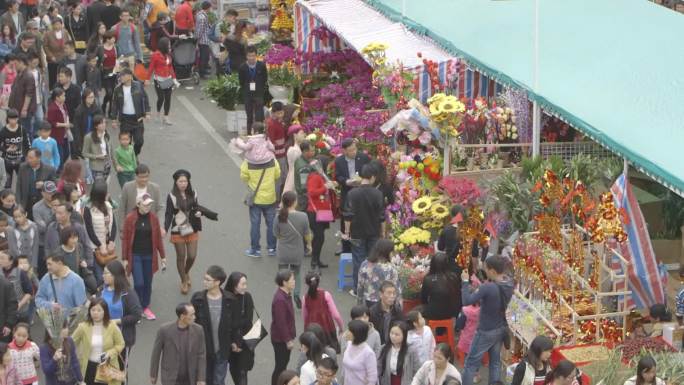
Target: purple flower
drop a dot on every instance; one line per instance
(279, 54)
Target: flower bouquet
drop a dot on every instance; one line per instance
(56, 319)
(447, 113)
(412, 270)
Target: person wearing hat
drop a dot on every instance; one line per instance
(202, 30)
(43, 216)
(182, 218)
(141, 248)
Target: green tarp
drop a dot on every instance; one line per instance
(612, 68)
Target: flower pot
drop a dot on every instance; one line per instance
(280, 93)
(408, 304)
(499, 163)
(470, 166)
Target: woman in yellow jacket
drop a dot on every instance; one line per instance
(98, 340)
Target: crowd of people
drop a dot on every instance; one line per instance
(68, 68)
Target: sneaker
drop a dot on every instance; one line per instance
(149, 315)
(352, 293)
(253, 253)
(271, 252)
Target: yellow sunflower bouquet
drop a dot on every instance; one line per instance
(446, 112)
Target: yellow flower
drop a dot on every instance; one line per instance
(434, 109)
(414, 235)
(439, 211)
(449, 105)
(380, 61)
(421, 205)
(436, 98)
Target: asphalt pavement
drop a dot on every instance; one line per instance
(197, 141)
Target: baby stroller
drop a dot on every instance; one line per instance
(185, 60)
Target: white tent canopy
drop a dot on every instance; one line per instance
(357, 24)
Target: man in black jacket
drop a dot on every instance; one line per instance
(72, 92)
(212, 307)
(253, 83)
(384, 313)
(30, 178)
(365, 219)
(347, 166)
(130, 107)
(8, 309)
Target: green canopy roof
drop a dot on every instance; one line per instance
(612, 68)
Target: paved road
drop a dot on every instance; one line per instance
(197, 141)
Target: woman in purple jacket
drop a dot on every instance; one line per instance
(283, 331)
(61, 366)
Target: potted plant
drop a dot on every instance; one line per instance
(281, 81)
(225, 90)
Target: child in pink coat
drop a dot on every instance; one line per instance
(255, 149)
(465, 339)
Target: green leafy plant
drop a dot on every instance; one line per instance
(515, 198)
(533, 168)
(282, 76)
(584, 168)
(225, 90)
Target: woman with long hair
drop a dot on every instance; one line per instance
(9, 72)
(241, 359)
(437, 370)
(534, 368)
(375, 270)
(60, 366)
(8, 201)
(318, 189)
(293, 234)
(71, 175)
(98, 340)
(58, 117)
(7, 40)
(97, 150)
(328, 350)
(565, 373)
(288, 377)
(124, 305)
(96, 40)
(645, 373)
(312, 347)
(283, 332)
(359, 364)
(84, 117)
(297, 135)
(441, 290)
(77, 26)
(398, 362)
(318, 307)
(98, 218)
(182, 218)
(53, 45)
(164, 77)
(109, 57)
(141, 246)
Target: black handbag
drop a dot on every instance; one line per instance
(255, 334)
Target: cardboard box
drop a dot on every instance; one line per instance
(673, 334)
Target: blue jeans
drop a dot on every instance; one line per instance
(35, 122)
(484, 341)
(220, 369)
(142, 278)
(98, 271)
(255, 213)
(360, 249)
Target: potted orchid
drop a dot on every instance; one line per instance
(282, 78)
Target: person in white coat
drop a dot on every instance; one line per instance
(437, 370)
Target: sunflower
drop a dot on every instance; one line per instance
(439, 211)
(436, 98)
(414, 235)
(449, 105)
(434, 109)
(421, 205)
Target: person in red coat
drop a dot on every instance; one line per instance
(141, 246)
(318, 187)
(162, 73)
(58, 117)
(185, 20)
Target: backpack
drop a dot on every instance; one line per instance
(117, 28)
(213, 34)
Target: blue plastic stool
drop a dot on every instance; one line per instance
(344, 279)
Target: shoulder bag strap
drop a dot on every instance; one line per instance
(261, 178)
(503, 302)
(52, 283)
(294, 228)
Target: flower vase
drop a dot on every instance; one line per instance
(280, 93)
(408, 304)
